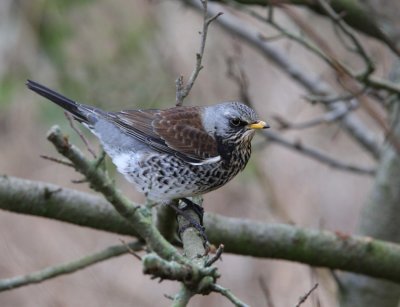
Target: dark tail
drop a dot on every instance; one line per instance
(77, 110)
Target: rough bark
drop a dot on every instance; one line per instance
(239, 236)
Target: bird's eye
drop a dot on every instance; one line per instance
(236, 122)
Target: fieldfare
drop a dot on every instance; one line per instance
(174, 153)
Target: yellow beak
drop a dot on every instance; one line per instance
(258, 125)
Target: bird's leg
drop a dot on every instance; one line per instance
(195, 207)
(191, 221)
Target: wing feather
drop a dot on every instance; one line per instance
(178, 131)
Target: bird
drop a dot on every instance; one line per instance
(173, 153)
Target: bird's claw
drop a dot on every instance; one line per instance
(191, 222)
(199, 210)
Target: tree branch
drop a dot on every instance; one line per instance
(317, 155)
(68, 267)
(229, 295)
(80, 134)
(353, 13)
(191, 239)
(305, 296)
(359, 48)
(240, 79)
(172, 270)
(349, 80)
(78, 208)
(194, 248)
(310, 82)
(379, 218)
(167, 261)
(182, 298)
(138, 216)
(325, 118)
(362, 255)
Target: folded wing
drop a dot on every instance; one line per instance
(177, 131)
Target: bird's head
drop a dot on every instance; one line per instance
(232, 121)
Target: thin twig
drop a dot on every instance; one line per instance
(68, 267)
(130, 250)
(217, 256)
(349, 80)
(78, 132)
(370, 67)
(339, 111)
(381, 84)
(56, 160)
(312, 33)
(371, 81)
(335, 98)
(328, 117)
(317, 155)
(182, 91)
(305, 296)
(314, 279)
(342, 39)
(229, 295)
(311, 82)
(283, 32)
(65, 163)
(168, 296)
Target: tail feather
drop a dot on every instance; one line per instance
(77, 110)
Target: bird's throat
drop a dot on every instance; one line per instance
(234, 154)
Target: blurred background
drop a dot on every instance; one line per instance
(127, 54)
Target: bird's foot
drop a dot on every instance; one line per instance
(191, 221)
(195, 207)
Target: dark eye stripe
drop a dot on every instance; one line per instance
(237, 122)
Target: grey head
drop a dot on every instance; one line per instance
(233, 121)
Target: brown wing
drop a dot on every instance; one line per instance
(178, 131)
